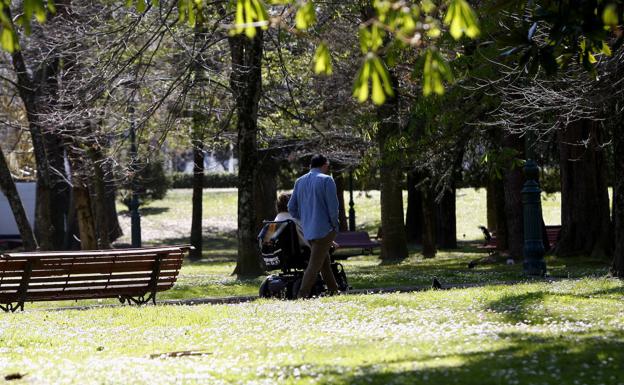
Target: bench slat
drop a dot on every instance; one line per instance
(144, 283)
(95, 253)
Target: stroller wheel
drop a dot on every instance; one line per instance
(264, 291)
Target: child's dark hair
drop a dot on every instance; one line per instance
(281, 205)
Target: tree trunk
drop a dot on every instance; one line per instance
(513, 182)
(114, 229)
(394, 245)
(198, 194)
(585, 216)
(86, 220)
(44, 225)
(55, 152)
(342, 212)
(7, 185)
(617, 268)
(446, 220)
(266, 193)
(502, 234)
(246, 83)
(429, 222)
(491, 204)
(414, 215)
(82, 199)
(99, 198)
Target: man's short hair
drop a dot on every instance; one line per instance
(317, 161)
(281, 205)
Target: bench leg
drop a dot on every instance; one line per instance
(12, 307)
(140, 300)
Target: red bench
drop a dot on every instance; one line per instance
(490, 243)
(356, 240)
(131, 275)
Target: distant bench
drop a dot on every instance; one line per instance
(491, 245)
(356, 240)
(131, 275)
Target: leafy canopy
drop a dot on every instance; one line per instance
(415, 25)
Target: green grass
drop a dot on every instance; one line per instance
(569, 332)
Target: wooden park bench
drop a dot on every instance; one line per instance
(490, 243)
(131, 275)
(356, 240)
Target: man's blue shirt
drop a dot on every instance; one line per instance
(314, 202)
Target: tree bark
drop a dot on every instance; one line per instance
(429, 222)
(7, 185)
(342, 212)
(82, 199)
(585, 216)
(99, 198)
(446, 220)
(414, 214)
(617, 267)
(44, 226)
(198, 193)
(394, 244)
(246, 83)
(513, 182)
(265, 194)
(491, 204)
(502, 234)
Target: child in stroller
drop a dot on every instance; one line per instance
(281, 250)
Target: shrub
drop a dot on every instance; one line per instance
(211, 180)
(152, 183)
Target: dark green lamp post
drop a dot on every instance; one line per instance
(135, 216)
(351, 204)
(534, 264)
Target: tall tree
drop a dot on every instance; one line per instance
(394, 245)
(7, 186)
(246, 84)
(585, 216)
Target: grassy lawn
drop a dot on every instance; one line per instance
(568, 332)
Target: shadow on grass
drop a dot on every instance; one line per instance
(570, 359)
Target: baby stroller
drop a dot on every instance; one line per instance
(280, 249)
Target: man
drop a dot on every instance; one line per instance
(314, 203)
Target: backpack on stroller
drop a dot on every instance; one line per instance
(280, 248)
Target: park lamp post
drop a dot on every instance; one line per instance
(351, 204)
(534, 264)
(135, 216)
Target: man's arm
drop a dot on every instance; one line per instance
(331, 196)
(293, 204)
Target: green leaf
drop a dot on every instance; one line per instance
(462, 20)
(306, 16)
(322, 60)
(378, 95)
(141, 6)
(610, 16)
(360, 90)
(435, 69)
(381, 69)
(9, 40)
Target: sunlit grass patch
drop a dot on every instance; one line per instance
(535, 333)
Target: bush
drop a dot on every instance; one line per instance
(151, 181)
(211, 180)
